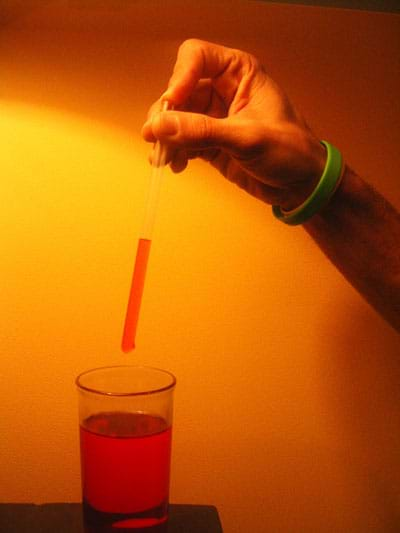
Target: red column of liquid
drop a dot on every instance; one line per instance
(135, 296)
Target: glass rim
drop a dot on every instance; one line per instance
(82, 387)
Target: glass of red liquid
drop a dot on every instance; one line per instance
(125, 417)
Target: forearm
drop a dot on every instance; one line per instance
(359, 231)
(243, 123)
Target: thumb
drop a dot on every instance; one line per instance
(194, 131)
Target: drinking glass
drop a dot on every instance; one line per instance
(125, 419)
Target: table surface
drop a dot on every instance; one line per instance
(67, 518)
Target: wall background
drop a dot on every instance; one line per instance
(287, 405)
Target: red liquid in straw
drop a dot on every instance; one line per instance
(125, 461)
(135, 297)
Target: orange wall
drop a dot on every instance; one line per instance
(287, 406)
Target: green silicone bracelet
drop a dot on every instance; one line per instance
(321, 195)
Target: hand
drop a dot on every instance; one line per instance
(229, 112)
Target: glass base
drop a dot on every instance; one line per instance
(150, 521)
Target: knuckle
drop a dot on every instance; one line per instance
(191, 44)
(253, 64)
(201, 128)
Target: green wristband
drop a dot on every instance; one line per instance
(321, 195)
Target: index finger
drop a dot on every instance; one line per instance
(196, 60)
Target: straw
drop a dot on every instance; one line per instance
(143, 249)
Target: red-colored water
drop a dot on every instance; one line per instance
(125, 460)
(135, 296)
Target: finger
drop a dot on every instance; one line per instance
(202, 100)
(197, 60)
(147, 132)
(194, 131)
(179, 162)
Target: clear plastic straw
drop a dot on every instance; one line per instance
(143, 248)
(153, 192)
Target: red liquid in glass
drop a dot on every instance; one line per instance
(125, 461)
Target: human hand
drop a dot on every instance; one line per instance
(228, 111)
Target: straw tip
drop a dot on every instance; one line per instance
(126, 348)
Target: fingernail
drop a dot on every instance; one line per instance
(166, 124)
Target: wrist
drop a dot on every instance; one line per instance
(321, 195)
(299, 192)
